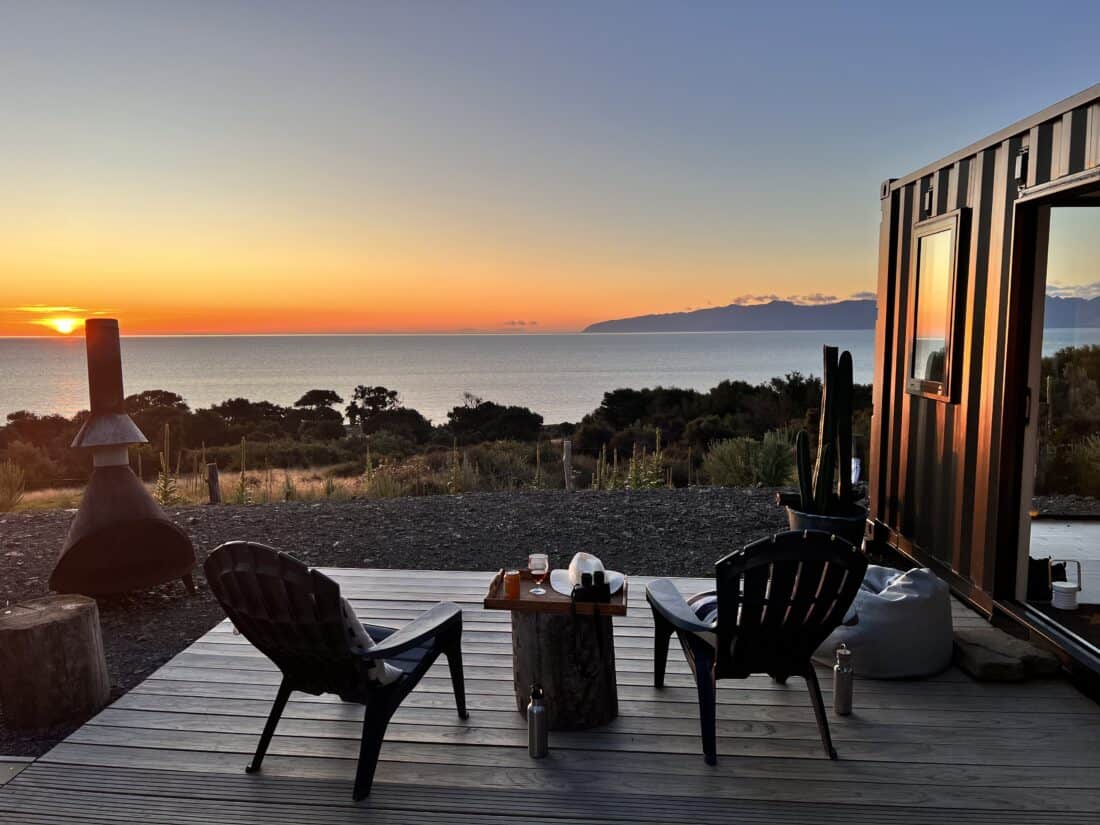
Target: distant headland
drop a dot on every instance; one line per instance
(1060, 313)
(774, 315)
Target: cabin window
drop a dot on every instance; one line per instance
(932, 308)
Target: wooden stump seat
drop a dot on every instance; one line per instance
(52, 666)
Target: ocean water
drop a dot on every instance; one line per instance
(560, 376)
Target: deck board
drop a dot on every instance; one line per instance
(174, 748)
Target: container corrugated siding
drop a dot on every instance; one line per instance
(935, 465)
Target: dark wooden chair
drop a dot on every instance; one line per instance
(777, 601)
(296, 616)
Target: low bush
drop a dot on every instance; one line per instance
(38, 469)
(729, 462)
(746, 462)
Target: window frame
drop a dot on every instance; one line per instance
(945, 391)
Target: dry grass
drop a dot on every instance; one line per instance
(58, 498)
(264, 486)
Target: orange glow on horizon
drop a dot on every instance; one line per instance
(263, 276)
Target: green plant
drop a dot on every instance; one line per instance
(386, 480)
(775, 459)
(290, 489)
(12, 485)
(730, 462)
(827, 489)
(605, 474)
(165, 490)
(241, 493)
(463, 474)
(1083, 466)
(645, 471)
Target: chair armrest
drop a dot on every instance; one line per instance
(444, 616)
(670, 605)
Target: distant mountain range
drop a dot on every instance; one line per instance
(785, 315)
(1071, 312)
(775, 315)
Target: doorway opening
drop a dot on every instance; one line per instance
(1059, 574)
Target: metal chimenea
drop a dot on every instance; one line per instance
(121, 539)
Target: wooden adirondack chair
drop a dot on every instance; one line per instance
(296, 616)
(776, 601)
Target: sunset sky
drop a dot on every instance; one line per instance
(359, 167)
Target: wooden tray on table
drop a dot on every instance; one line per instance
(552, 602)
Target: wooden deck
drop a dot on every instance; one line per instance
(173, 750)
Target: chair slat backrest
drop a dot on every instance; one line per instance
(779, 598)
(289, 612)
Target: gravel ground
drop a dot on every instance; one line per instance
(1066, 505)
(660, 532)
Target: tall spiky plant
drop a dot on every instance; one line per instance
(826, 488)
(165, 490)
(12, 485)
(242, 495)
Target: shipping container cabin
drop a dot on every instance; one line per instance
(969, 424)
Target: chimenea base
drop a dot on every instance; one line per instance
(121, 540)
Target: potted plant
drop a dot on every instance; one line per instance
(826, 500)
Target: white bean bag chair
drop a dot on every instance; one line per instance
(898, 627)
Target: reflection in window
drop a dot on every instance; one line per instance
(933, 306)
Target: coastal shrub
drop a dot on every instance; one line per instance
(387, 480)
(12, 485)
(346, 469)
(402, 423)
(1084, 465)
(729, 462)
(389, 445)
(746, 462)
(319, 399)
(592, 435)
(327, 430)
(478, 421)
(463, 475)
(370, 401)
(504, 465)
(701, 431)
(775, 461)
(38, 469)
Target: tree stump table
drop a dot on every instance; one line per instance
(571, 656)
(52, 666)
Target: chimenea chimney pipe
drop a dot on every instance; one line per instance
(108, 425)
(104, 365)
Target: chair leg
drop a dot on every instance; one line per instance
(704, 682)
(458, 680)
(662, 633)
(375, 721)
(269, 729)
(819, 712)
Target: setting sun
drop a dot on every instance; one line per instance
(63, 325)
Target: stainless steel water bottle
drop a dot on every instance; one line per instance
(537, 744)
(842, 681)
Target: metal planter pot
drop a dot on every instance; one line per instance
(847, 527)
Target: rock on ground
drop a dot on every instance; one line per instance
(989, 654)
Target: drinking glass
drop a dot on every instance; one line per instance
(539, 565)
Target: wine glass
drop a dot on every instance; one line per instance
(539, 565)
